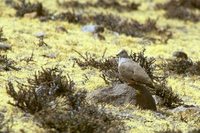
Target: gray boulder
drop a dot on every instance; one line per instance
(121, 94)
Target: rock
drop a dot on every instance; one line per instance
(187, 113)
(4, 46)
(185, 108)
(118, 95)
(40, 34)
(50, 55)
(92, 28)
(88, 28)
(122, 94)
(31, 15)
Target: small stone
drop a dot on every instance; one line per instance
(40, 34)
(4, 46)
(88, 28)
(31, 15)
(187, 113)
(121, 94)
(50, 55)
(92, 28)
(186, 108)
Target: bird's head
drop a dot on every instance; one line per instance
(122, 54)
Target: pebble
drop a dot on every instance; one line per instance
(40, 34)
(92, 28)
(4, 46)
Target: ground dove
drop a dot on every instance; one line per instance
(131, 72)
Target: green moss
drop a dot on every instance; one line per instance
(20, 33)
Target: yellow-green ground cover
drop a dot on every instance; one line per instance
(20, 33)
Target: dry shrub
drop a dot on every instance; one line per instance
(1, 35)
(176, 66)
(56, 104)
(195, 69)
(192, 4)
(86, 118)
(181, 64)
(40, 91)
(181, 9)
(7, 64)
(170, 131)
(117, 24)
(100, 3)
(22, 7)
(132, 27)
(3, 46)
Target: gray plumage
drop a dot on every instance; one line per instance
(131, 72)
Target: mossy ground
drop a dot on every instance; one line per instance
(20, 33)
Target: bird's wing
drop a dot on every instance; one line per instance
(132, 71)
(126, 69)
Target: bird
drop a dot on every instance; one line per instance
(131, 72)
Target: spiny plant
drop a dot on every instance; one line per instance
(40, 91)
(181, 64)
(7, 64)
(181, 9)
(22, 7)
(59, 107)
(100, 3)
(1, 35)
